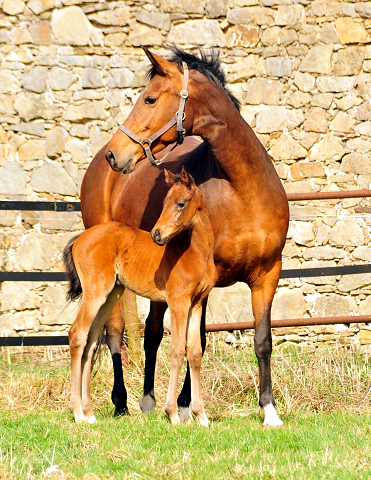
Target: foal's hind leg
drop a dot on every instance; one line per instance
(262, 292)
(184, 399)
(114, 333)
(152, 338)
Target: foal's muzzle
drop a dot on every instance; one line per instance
(156, 237)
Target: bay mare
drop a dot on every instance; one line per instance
(246, 202)
(175, 266)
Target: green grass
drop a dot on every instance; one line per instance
(322, 397)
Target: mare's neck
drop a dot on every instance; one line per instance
(234, 145)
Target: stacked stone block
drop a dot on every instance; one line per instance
(71, 71)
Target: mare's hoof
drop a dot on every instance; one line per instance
(202, 420)
(271, 418)
(185, 414)
(147, 403)
(120, 412)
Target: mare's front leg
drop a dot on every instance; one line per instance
(184, 399)
(262, 292)
(114, 333)
(153, 334)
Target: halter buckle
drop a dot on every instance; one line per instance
(184, 93)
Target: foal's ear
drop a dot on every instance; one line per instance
(186, 179)
(169, 177)
(160, 64)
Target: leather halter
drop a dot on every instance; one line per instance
(178, 120)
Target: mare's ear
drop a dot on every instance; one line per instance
(186, 179)
(169, 177)
(160, 64)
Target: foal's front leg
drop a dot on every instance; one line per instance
(178, 316)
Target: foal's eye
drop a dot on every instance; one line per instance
(150, 100)
(180, 204)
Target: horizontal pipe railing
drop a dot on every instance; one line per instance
(328, 195)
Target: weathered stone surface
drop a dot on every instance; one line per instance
(8, 82)
(65, 221)
(324, 253)
(39, 6)
(306, 170)
(365, 335)
(153, 19)
(329, 148)
(363, 111)
(318, 60)
(70, 26)
(350, 32)
(346, 231)
(362, 253)
(343, 122)
(348, 61)
(304, 81)
(55, 310)
(143, 35)
(31, 106)
(230, 304)
(333, 305)
(79, 150)
(216, 8)
(278, 66)
(6, 105)
(316, 120)
(289, 15)
(35, 79)
(21, 35)
(302, 232)
(32, 128)
(286, 148)
(364, 307)
(61, 79)
(37, 252)
(358, 145)
(40, 33)
(26, 321)
(288, 303)
(120, 78)
(117, 17)
(356, 163)
(18, 296)
(13, 7)
(95, 110)
(348, 283)
(242, 36)
(31, 150)
(278, 36)
(55, 141)
(333, 84)
(92, 78)
(243, 68)
(262, 90)
(12, 179)
(187, 6)
(53, 178)
(199, 32)
(322, 100)
(278, 118)
(298, 99)
(250, 16)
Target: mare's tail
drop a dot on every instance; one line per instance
(74, 290)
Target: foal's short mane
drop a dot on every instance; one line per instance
(207, 63)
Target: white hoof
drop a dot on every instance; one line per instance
(271, 418)
(91, 419)
(185, 414)
(202, 420)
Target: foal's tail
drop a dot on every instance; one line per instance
(74, 290)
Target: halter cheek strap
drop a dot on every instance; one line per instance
(177, 120)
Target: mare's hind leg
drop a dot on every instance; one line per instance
(114, 333)
(184, 399)
(262, 292)
(152, 338)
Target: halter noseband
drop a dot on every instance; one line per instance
(178, 120)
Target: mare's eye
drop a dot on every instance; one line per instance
(150, 100)
(180, 204)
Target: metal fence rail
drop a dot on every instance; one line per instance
(292, 273)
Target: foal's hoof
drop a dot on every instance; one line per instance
(91, 419)
(120, 412)
(147, 403)
(185, 414)
(202, 420)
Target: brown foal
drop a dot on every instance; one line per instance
(175, 266)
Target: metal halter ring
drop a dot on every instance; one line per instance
(183, 116)
(184, 93)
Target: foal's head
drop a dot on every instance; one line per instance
(180, 206)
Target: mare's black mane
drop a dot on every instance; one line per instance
(207, 63)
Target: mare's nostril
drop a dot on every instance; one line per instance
(156, 236)
(110, 158)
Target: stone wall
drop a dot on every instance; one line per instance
(71, 71)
